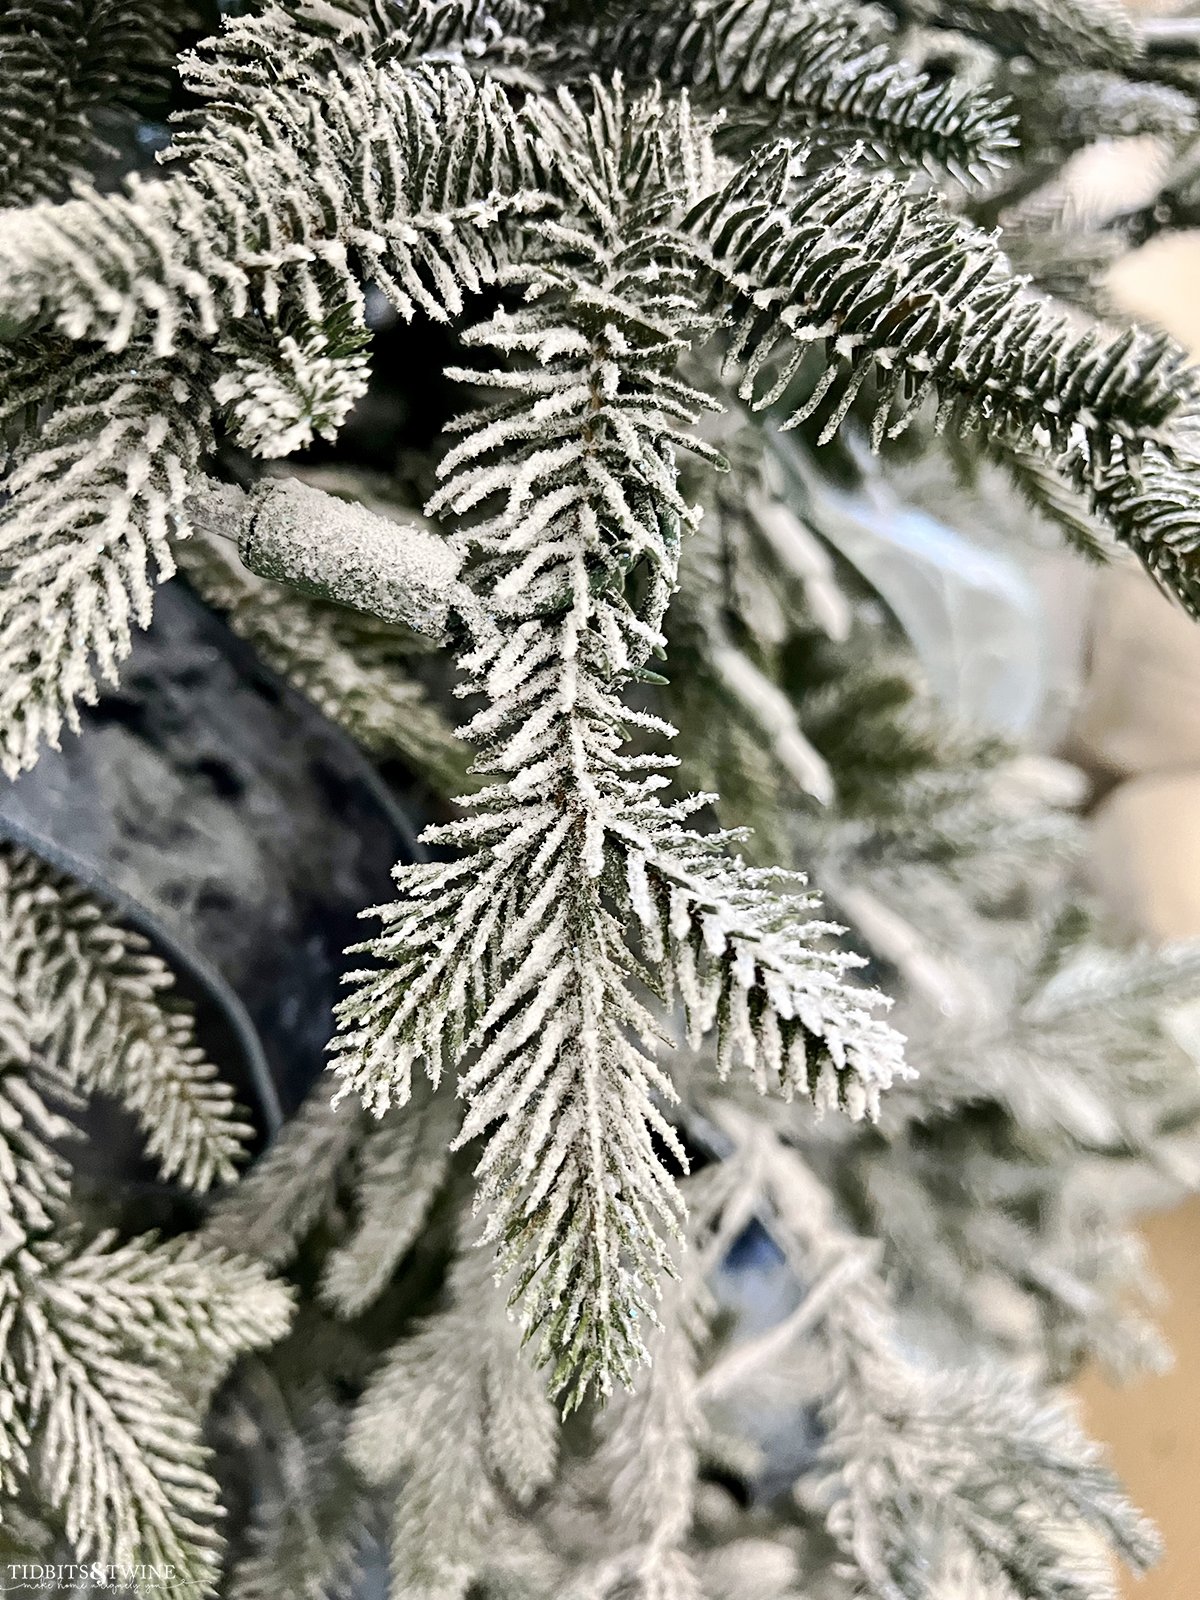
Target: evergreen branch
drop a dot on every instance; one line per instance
(40, 370)
(457, 1425)
(1156, 512)
(897, 289)
(1074, 1068)
(100, 1430)
(981, 1442)
(308, 1527)
(34, 1174)
(166, 1300)
(288, 386)
(105, 1432)
(595, 242)
(813, 67)
(644, 1471)
(281, 207)
(65, 65)
(1169, 52)
(1069, 33)
(251, 231)
(34, 1171)
(96, 1012)
(483, 32)
(752, 576)
(402, 1163)
(1153, 509)
(290, 1186)
(83, 540)
(924, 1465)
(138, 1495)
(1048, 493)
(508, 963)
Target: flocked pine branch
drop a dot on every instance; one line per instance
(687, 912)
(391, 1171)
(753, 577)
(1071, 34)
(1012, 1073)
(102, 1432)
(84, 538)
(69, 69)
(1067, 1113)
(1049, 495)
(483, 34)
(457, 1427)
(921, 304)
(923, 1468)
(292, 1186)
(96, 1011)
(186, 266)
(1156, 512)
(275, 202)
(510, 964)
(901, 295)
(314, 1515)
(640, 1485)
(401, 1166)
(809, 67)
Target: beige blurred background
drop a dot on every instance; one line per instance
(1139, 728)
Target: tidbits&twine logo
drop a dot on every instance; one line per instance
(87, 1576)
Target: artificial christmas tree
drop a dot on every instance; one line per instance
(662, 1237)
